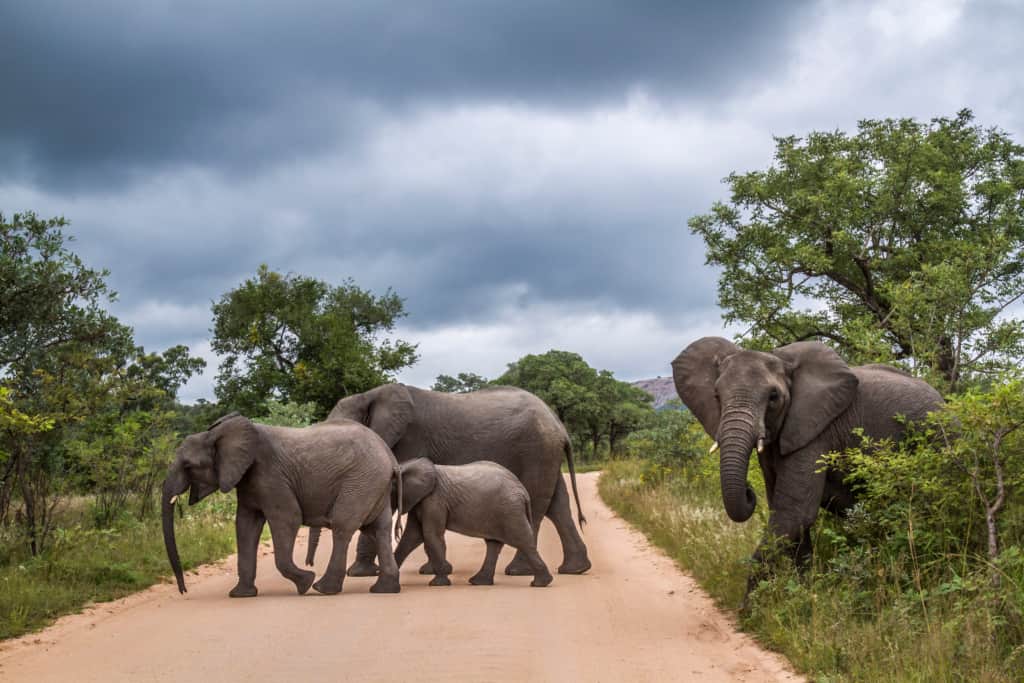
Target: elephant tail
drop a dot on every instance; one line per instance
(398, 519)
(572, 479)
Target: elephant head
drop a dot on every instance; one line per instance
(204, 462)
(386, 410)
(418, 478)
(747, 399)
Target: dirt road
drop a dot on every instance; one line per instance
(634, 617)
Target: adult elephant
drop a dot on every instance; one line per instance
(506, 425)
(792, 405)
(337, 475)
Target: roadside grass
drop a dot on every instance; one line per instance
(584, 467)
(86, 564)
(856, 615)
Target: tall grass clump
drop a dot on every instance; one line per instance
(922, 580)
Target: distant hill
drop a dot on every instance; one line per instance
(661, 388)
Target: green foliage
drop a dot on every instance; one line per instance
(671, 443)
(464, 382)
(85, 409)
(278, 414)
(299, 339)
(592, 404)
(904, 241)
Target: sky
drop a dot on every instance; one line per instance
(521, 173)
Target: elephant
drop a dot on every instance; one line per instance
(337, 475)
(480, 499)
(507, 425)
(792, 406)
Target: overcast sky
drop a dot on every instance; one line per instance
(520, 172)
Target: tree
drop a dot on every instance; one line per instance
(592, 404)
(902, 242)
(298, 339)
(465, 382)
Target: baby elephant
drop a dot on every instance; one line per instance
(481, 499)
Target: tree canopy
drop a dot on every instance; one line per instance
(299, 339)
(464, 382)
(904, 242)
(592, 404)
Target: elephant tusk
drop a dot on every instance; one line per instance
(760, 445)
(714, 447)
(174, 499)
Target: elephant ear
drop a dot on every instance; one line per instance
(695, 371)
(389, 412)
(419, 477)
(822, 388)
(235, 442)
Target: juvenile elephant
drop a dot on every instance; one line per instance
(509, 426)
(481, 499)
(335, 475)
(792, 405)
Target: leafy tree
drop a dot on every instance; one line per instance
(592, 405)
(71, 376)
(904, 241)
(280, 414)
(299, 339)
(463, 383)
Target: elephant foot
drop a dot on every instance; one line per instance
(303, 583)
(519, 567)
(363, 568)
(428, 569)
(482, 580)
(440, 581)
(541, 581)
(328, 586)
(241, 591)
(386, 584)
(575, 566)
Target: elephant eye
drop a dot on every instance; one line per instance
(773, 396)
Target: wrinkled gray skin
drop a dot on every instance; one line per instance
(509, 426)
(334, 475)
(481, 499)
(803, 401)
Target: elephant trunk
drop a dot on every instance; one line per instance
(737, 437)
(174, 485)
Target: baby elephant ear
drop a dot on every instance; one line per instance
(822, 388)
(235, 440)
(695, 371)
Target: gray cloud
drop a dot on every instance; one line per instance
(521, 173)
(108, 92)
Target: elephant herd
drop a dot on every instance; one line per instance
(488, 464)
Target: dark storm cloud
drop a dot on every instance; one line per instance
(99, 93)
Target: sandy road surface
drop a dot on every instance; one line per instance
(634, 617)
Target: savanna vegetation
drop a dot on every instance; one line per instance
(899, 243)
(89, 420)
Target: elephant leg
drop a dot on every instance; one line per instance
(387, 582)
(485, 577)
(411, 539)
(539, 504)
(311, 545)
(574, 551)
(798, 487)
(427, 568)
(366, 552)
(248, 528)
(283, 533)
(433, 539)
(334, 577)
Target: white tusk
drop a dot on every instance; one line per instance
(760, 445)
(174, 499)
(714, 447)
